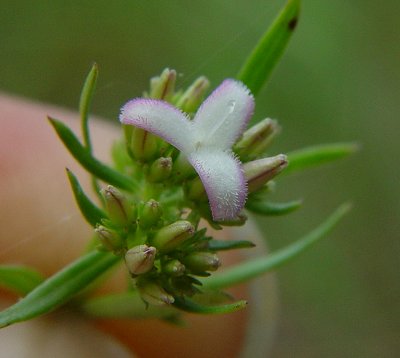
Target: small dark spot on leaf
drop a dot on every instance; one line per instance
(292, 24)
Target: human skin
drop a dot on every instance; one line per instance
(41, 227)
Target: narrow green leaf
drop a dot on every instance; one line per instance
(90, 211)
(272, 209)
(194, 307)
(256, 267)
(85, 102)
(90, 163)
(317, 155)
(20, 279)
(262, 60)
(220, 245)
(59, 288)
(124, 305)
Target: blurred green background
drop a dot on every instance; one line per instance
(338, 81)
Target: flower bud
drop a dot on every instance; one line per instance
(170, 237)
(195, 190)
(151, 213)
(154, 294)
(160, 170)
(256, 139)
(143, 145)
(119, 210)
(182, 168)
(163, 87)
(194, 95)
(128, 138)
(174, 268)
(200, 262)
(258, 172)
(110, 239)
(140, 259)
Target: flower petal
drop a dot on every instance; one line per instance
(224, 115)
(162, 119)
(223, 180)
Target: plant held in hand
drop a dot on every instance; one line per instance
(183, 162)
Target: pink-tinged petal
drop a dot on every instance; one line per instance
(161, 119)
(224, 115)
(223, 180)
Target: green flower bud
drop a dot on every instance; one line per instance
(140, 259)
(119, 210)
(110, 239)
(153, 293)
(160, 170)
(259, 172)
(195, 190)
(199, 262)
(182, 168)
(194, 95)
(174, 268)
(128, 138)
(256, 139)
(163, 87)
(150, 214)
(143, 145)
(170, 237)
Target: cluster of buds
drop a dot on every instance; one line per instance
(166, 269)
(166, 264)
(161, 259)
(163, 87)
(187, 168)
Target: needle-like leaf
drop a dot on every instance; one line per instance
(91, 164)
(316, 155)
(89, 210)
(221, 245)
(256, 267)
(85, 103)
(262, 60)
(59, 288)
(272, 209)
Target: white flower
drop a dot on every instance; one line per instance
(206, 140)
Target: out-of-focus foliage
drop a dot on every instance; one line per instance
(338, 81)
